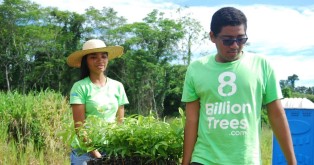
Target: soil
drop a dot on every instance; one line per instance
(129, 161)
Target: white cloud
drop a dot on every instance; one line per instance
(303, 66)
(280, 27)
(132, 10)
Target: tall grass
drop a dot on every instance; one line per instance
(31, 126)
(266, 145)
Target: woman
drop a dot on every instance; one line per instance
(95, 94)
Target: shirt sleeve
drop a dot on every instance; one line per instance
(123, 99)
(189, 93)
(272, 87)
(77, 94)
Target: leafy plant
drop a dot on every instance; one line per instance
(147, 138)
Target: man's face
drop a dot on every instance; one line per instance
(229, 43)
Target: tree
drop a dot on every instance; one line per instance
(61, 36)
(172, 100)
(283, 83)
(286, 92)
(301, 89)
(292, 79)
(34, 45)
(193, 35)
(102, 24)
(290, 82)
(310, 90)
(150, 47)
(19, 23)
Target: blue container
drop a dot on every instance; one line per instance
(301, 123)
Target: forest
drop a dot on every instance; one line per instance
(35, 42)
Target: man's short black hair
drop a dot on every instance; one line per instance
(227, 16)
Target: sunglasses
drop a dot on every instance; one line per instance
(229, 42)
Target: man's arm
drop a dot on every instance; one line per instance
(280, 126)
(190, 130)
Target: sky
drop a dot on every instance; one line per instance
(281, 30)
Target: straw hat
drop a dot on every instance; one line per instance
(93, 46)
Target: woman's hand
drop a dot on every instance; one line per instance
(95, 154)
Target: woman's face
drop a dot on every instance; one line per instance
(97, 62)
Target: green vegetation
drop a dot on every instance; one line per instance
(266, 145)
(290, 91)
(31, 126)
(147, 138)
(35, 42)
(37, 129)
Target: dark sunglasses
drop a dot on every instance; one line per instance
(229, 42)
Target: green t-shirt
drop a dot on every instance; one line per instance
(100, 101)
(231, 97)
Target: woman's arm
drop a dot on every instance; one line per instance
(78, 111)
(120, 114)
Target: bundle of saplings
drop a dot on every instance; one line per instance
(139, 140)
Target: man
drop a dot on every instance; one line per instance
(224, 94)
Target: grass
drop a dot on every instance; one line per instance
(266, 145)
(13, 156)
(30, 128)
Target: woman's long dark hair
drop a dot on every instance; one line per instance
(84, 68)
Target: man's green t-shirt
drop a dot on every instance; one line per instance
(100, 101)
(231, 97)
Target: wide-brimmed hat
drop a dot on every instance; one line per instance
(93, 46)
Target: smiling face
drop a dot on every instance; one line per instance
(225, 52)
(97, 62)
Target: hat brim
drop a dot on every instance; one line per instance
(74, 59)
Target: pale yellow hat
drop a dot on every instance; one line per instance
(93, 46)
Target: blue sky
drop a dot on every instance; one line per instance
(240, 2)
(282, 30)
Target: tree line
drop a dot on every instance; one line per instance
(289, 89)
(35, 42)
